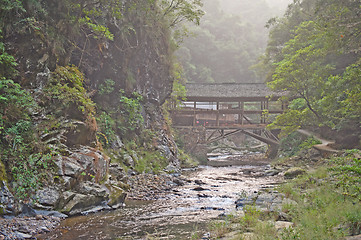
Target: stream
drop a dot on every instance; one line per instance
(208, 192)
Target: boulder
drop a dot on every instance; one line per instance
(70, 168)
(116, 197)
(47, 197)
(117, 173)
(80, 203)
(280, 225)
(90, 188)
(294, 172)
(7, 200)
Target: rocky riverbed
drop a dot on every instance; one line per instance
(170, 206)
(174, 206)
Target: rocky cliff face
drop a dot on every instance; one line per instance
(88, 82)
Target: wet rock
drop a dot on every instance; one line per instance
(203, 195)
(80, 203)
(294, 172)
(212, 208)
(200, 189)
(179, 182)
(199, 182)
(50, 214)
(272, 172)
(270, 201)
(248, 200)
(20, 235)
(96, 209)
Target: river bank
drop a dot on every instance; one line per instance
(224, 202)
(173, 206)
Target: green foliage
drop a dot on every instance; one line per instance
(177, 11)
(29, 173)
(293, 143)
(3, 175)
(7, 62)
(347, 172)
(107, 87)
(250, 218)
(341, 103)
(219, 228)
(150, 162)
(107, 126)
(179, 93)
(326, 201)
(311, 54)
(67, 90)
(131, 118)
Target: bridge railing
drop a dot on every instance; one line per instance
(227, 114)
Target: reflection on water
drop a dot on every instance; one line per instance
(177, 215)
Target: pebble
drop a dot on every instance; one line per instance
(26, 227)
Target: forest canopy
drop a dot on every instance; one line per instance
(314, 53)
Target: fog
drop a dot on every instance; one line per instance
(231, 38)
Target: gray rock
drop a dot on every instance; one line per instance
(59, 164)
(117, 144)
(50, 213)
(27, 211)
(90, 188)
(272, 172)
(117, 172)
(96, 209)
(71, 169)
(128, 160)
(116, 197)
(84, 160)
(48, 196)
(69, 182)
(279, 225)
(80, 203)
(20, 235)
(294, 172)
(6, 200)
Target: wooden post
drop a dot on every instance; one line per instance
(242, 113)
(262, 108)
(239, 112)
(217, 117)
(194, 115)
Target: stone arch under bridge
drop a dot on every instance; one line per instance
(217, 111)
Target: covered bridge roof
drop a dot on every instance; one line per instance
(229, 92)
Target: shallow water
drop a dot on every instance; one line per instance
(178, 214)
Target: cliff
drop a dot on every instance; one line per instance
(82, 85)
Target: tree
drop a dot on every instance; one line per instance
(178, 11)
(315, 60)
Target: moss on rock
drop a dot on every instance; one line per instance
(3, 177)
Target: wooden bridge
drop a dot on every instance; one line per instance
(226, 109)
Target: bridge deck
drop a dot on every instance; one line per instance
(228, 127)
